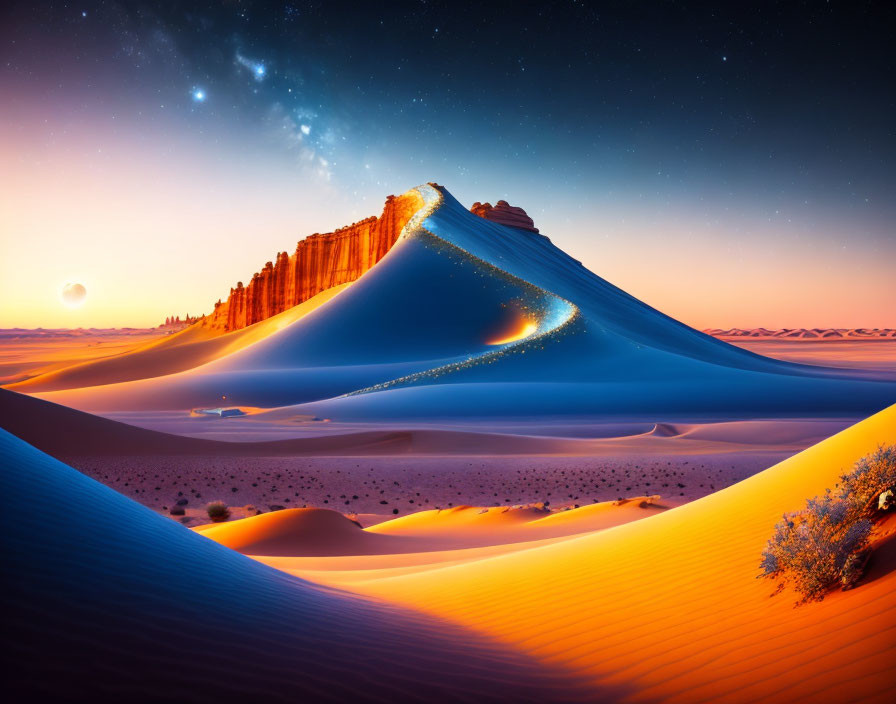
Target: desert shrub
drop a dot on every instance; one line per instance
(218, 511)
(872, 476)
(827, 542)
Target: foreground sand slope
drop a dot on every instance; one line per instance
(670, 605)
(107, 601)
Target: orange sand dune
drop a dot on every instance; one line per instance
(190, 348)
(522, 523)
(297, 531)
(451, 521)
(29, 353)
(328, 548)
(312, 532)
(670, 606)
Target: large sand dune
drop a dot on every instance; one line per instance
(465, 315)
(666, 608)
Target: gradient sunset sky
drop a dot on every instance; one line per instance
(732, 167)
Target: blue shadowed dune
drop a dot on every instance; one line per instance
(106, 600)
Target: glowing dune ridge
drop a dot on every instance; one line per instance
(666, 608)
(556, 313)
(422, 333)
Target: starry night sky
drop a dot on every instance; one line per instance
(731, 166)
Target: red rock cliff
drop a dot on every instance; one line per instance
(505, 214)
(319, 262)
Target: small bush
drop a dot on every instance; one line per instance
(827, 542)
(872, 476)
(218, 511)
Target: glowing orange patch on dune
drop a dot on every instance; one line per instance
(522, 327)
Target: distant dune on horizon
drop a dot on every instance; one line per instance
(804, 333)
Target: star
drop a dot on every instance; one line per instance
(199, 95)
(258, 69)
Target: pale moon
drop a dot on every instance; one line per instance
(73, 295)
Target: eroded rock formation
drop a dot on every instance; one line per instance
(318, 263)
(322, 261)
(505, 214)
